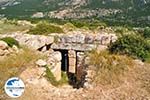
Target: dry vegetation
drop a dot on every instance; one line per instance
(8, 26)
(120, 76)
(109, 68)
(14, 64)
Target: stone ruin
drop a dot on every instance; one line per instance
(65, 52)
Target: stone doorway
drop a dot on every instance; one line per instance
(64, 60)
(72, 64)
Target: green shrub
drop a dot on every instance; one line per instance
(120, 30)
(132, 45)
(44, 28)
(146, 33)
(10, 41)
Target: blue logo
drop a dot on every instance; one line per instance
(14, 87)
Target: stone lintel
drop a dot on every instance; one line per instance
(73, 46)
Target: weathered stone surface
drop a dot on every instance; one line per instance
(54, 64)
(57, 71)
(67, 39)
(44, 49)
(73, 46)
(6, 52)
(57, 56)
(105, 39)
(3, 45)
(2, 53)
(74, 41)
(72, 65)
(73, 38)
(80, 38)
(72, 61)
(32, 41)
(41, 63)
(89, 39)
(80, 58)
(72, 53)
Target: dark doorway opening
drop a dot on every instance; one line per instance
(64, 60)
(77, 79)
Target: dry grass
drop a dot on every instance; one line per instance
(6, 27)
(14, 64)
(109, 68)
(120, 76)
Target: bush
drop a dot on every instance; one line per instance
(44, 28)
(132, 45)
(146, 33)
(69, 26)
(120, 30)
(10, 41)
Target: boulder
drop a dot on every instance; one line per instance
(57, 56)
(3, 45)
(2, 53)
(6, 52)
(32, 41)
(15, 49)
(38, 41)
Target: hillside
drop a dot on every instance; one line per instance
(127, 11)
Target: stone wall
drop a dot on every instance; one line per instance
(75, 41)
(83, 42)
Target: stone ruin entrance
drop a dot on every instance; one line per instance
(70, 49)
(64, 60)
(72, 64)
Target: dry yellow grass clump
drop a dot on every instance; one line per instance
(14, 64)
(109, 68)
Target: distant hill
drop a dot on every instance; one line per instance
(110, 10)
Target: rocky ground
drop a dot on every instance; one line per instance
(38, 88)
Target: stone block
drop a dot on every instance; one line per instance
(57, 71)
(89, 39)
(3, 45)
(72, 61)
